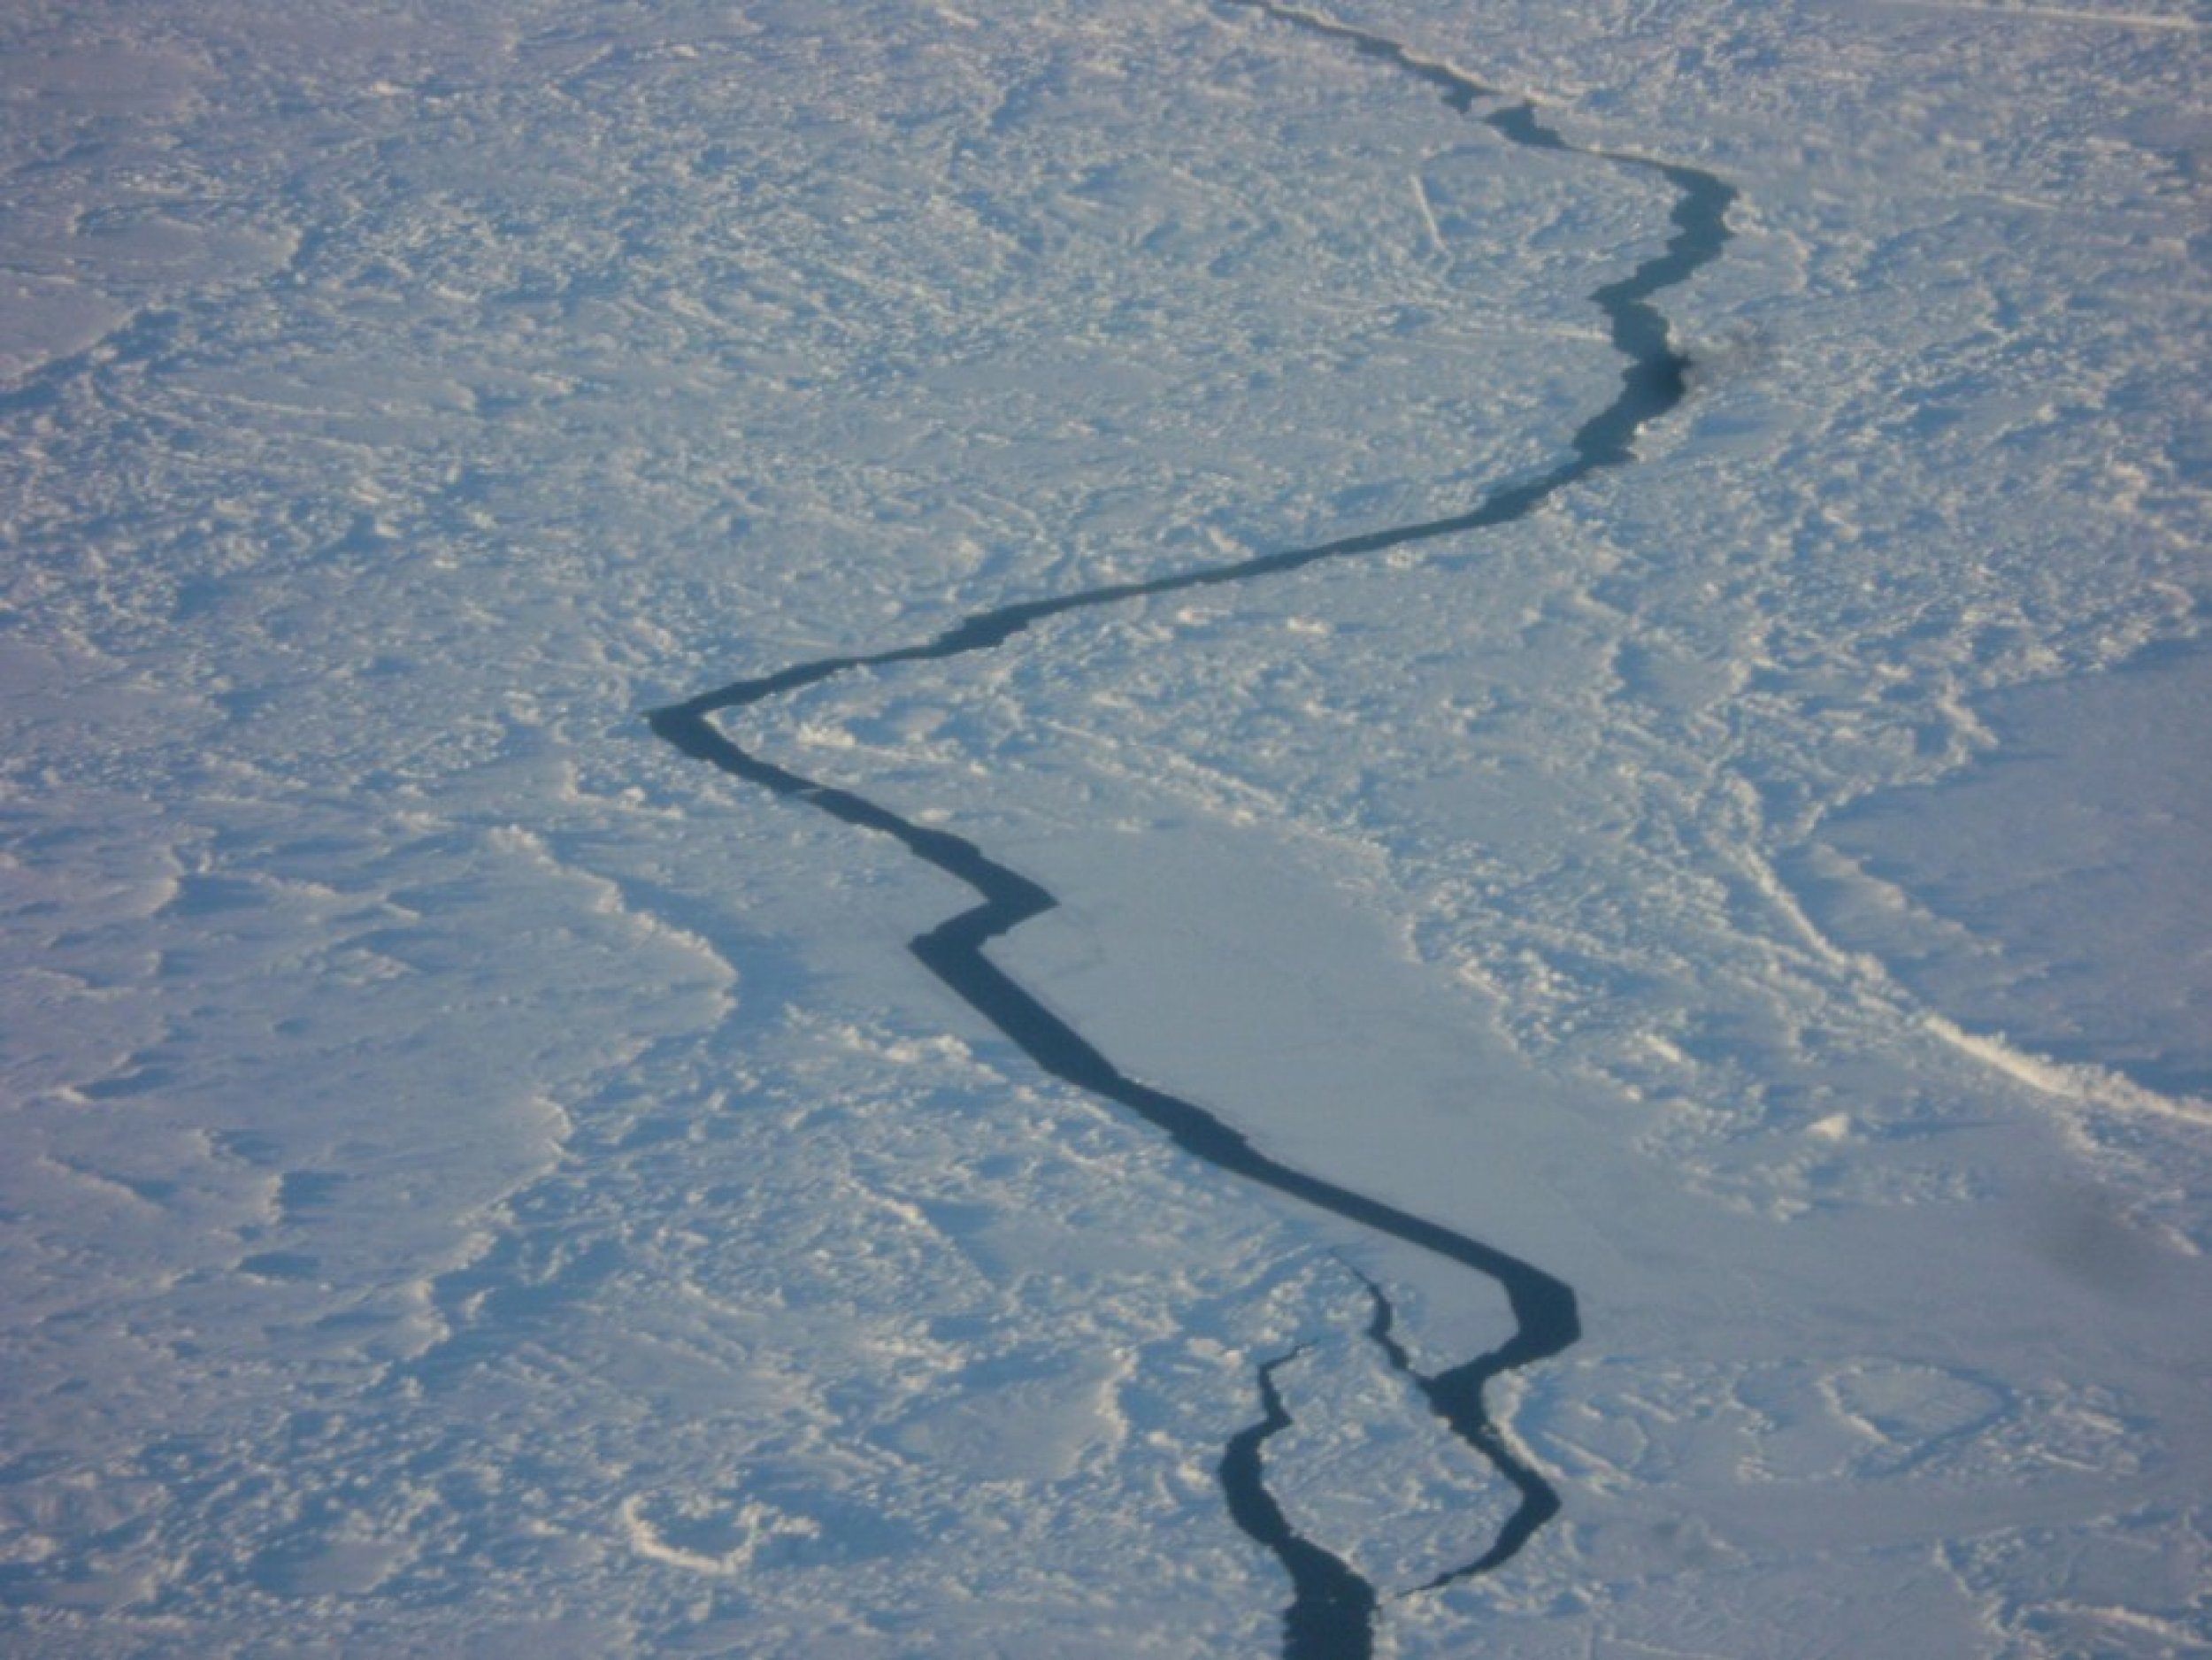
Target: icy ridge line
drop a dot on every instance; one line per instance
(1544, 1308)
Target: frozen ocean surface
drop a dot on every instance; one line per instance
(482, 1183)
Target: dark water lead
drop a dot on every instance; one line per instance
(1332, 1611)
(1332, 1614)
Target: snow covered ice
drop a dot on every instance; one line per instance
(480, 1183)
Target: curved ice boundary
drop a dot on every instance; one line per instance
(1333, 1609)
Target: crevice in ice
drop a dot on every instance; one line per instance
(1456, 1395)
(1546, 1319)
(1332, 1613)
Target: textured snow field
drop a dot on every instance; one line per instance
(477, 1183)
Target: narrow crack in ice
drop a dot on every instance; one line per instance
(1456, 1394)
(1332, 1613)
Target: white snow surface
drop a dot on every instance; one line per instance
(479, 1183)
